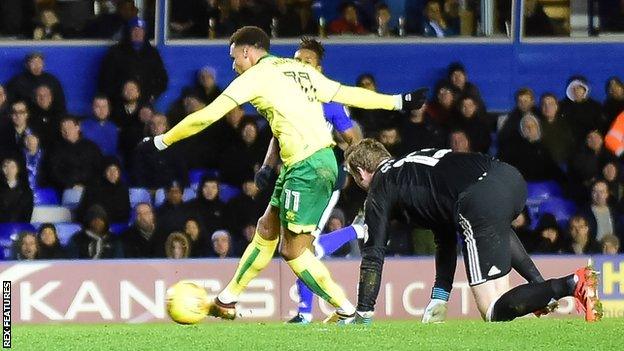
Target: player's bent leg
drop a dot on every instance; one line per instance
(256, 257)
(485, 294)
(312, 271)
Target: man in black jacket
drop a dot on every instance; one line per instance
(23, 85)
(133, 58)
(76, 161)
(142, 239)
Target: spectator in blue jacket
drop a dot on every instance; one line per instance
(100, 129)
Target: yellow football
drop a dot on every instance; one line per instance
(187, 303)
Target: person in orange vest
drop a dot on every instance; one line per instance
(614, 140)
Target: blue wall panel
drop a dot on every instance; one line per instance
(498, 69)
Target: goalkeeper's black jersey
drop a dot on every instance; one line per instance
(426, 184)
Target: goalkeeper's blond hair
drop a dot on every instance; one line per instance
(366, 154)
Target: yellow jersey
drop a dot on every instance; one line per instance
(289, 94)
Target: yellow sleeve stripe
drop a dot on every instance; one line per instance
(364, 98)
(197, 121)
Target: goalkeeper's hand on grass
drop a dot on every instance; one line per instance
(435, 311)
(414, 100)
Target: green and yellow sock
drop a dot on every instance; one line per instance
(316, 276)
(256, 257)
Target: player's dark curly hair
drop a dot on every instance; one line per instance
(309, 43)
(251, 35)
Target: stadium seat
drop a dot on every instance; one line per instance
(9, 233)
(138, 195)
(159, 197)
(540, 191)
(561, 208)
(118, 228)
(71, 198)
(46, 196)
(65, 231)
(52, 214)
(227, 192)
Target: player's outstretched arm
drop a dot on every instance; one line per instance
(366, 99)
(196, 122)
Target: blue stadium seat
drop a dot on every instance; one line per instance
(227, 192)
(561, 208)
(9, 233)
(52, 214)
(540, 191)
(188, 194)
(118, 228)
(71, 198)
(138, 195)
(65, 231)
(46, 196)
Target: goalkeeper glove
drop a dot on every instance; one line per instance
(414, 100)
(263, 177)
(435, 311)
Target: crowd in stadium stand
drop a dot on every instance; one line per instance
(208, 19)
(198, 198)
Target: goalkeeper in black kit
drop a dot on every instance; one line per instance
(471, 194)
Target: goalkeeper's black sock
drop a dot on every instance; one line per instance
(522, 262)
(531, 297)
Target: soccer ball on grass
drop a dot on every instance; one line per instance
(187, 303)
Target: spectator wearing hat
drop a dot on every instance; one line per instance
(143, 239)
(49, 245)
(529, 155)
(221, 243)
(133, 58)
(173, 213)
(23, 85)
(26, 247)
(99, 129)
(207, 207)
(204, 89)
(614, 103)
(75, 162)
(16, 197)
(110, 192)
(159, 169)
(94, 240)
(583, 113)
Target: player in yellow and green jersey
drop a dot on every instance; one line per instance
(289, 94)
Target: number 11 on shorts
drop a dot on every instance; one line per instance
(292, 197)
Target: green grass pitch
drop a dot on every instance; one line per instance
(527, 334)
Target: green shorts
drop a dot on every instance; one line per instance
(303, 189)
